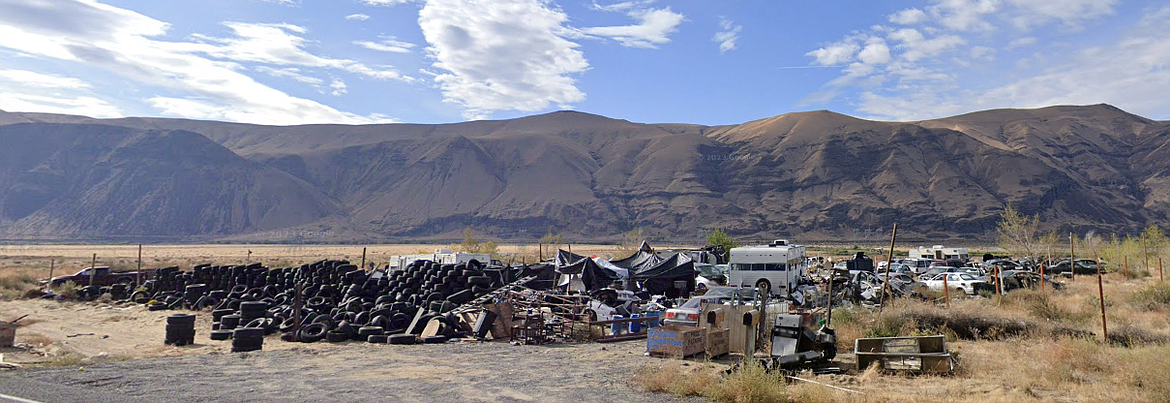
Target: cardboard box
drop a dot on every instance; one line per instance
(675, 341)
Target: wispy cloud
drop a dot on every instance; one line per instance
(728, 34)
(387, 44)
(654, 25)
(338, 88)
(385, 2)
(202, 80)
(917, 67)
(357, 17)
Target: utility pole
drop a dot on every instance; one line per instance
(1072, 255)
(92, 269)
(889, 261)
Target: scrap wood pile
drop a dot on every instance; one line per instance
(338, 301)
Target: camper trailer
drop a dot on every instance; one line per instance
(775, 268)
(938, 252)
(441, 256)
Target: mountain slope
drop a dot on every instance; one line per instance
(811, 175)
(93, 181)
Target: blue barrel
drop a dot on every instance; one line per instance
(653, 314)
(616, 328)
(635, 327)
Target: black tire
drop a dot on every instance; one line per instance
(438, 339)
(366, 331)
(376, 339)
(181, 319)
(764, 286)
(157, 306)
(140, 297)
(333, 336)
(314, 332)
(220, 335)
(402, 339)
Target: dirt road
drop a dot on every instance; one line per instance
(352, 372)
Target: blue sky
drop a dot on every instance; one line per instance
(687, 61)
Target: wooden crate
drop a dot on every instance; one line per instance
(675, 341)
(717, 342)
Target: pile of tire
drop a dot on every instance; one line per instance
(180, 330)
(339, 301)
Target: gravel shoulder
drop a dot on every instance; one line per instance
(352, 371)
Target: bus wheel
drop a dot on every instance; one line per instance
(764, 286)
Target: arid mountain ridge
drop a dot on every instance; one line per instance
(808, 175)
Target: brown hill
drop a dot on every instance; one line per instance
(811, 175)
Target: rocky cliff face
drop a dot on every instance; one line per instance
(811, 175)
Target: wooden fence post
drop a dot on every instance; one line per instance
(1101, 294)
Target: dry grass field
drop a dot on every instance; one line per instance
(1043, 346)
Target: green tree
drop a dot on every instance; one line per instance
(721, 238)
(1151, 240)
(1018, 233)
(473, 244)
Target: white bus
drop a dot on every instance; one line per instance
(775, 268)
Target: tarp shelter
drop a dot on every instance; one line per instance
(592, 274)
(565, 258)
(546, 276)
(661, 278)
(643, 259)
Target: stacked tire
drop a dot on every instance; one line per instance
(246, 339)
(338, 300)
(180, 330)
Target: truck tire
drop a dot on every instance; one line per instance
(765, 286)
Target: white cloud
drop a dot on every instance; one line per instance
(835, 54)
(502, 54)
(963, 15)
(47, 103)
(339, 88)
(357, 17)
(385, 2)
(291, 73)
(37, 80)
(188, 85)
(1131, 72)
(387, 44)
(1071, 13)
(280, 44)
(908, 16)
(653, 28)
(30, 91)
(916, 46)
(1021, 42)
(933, 50)
(728, 34)
(284, 2)
(875, 52)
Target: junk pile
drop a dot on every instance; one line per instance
(329, 300)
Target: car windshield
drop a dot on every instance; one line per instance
(966, 277)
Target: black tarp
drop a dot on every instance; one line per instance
(546, 276)
(565, 258)
(643, 259)
(660, 278)
(593, 275)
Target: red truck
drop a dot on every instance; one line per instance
(102, 276)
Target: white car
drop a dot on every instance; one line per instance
(955, 281)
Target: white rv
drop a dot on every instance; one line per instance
(938, 252)
(441, 256)
(775, 268)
